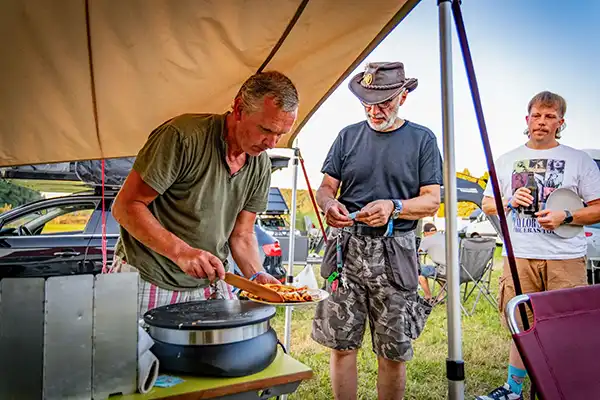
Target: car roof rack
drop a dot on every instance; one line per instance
(108, 190)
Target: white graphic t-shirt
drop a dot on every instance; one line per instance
(543, 171)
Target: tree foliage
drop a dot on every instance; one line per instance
(304, 207)
(12, 195)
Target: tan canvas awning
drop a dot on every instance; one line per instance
(90, 79)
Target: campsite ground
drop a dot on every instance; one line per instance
(485, 351)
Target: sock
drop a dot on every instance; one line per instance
(516, 376)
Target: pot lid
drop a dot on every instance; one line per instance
(565, 199)
(209, 314)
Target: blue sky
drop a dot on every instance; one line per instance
(519, 47)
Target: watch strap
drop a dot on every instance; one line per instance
(568, 217)
(397, 208)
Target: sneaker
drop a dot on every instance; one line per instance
(501, 393)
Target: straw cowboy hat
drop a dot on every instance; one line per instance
(381, 81)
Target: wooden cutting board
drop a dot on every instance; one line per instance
(253, 287)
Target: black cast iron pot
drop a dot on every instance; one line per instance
(220, 338)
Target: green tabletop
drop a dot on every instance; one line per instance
(284, 369)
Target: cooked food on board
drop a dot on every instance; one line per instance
(289, 293)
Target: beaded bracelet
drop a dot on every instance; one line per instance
(510, 206)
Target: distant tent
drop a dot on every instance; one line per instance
(469, 188)
(277, 204)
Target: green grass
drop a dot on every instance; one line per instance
(485, 352)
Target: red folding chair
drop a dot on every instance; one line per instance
(561, 351)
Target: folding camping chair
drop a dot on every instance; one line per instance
(560, 350)
(476, 258)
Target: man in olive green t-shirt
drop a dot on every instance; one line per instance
(194, 191)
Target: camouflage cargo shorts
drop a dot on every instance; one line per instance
(380, 277)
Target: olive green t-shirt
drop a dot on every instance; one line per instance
(199, 200)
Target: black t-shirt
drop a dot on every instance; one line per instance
(374, 165)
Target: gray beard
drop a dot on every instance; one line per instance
(381, 127)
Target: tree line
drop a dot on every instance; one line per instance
(12, 195)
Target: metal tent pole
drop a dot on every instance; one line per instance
(287, 341)
(454, 363)
(292, 239)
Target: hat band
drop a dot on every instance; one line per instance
(383, 87)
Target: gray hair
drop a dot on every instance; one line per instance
(268, 84)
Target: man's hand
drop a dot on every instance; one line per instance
(522, 197)
(200, 264)
(376, 213)
(336, 215)
(263, 278)
(549, 219)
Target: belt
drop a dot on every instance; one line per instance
(365, 230)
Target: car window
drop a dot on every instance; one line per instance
(71, 218)
(597, 163)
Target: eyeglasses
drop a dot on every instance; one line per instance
(382, 106)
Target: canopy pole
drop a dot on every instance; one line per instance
(454, 363)
(292, 242)
(287, 341)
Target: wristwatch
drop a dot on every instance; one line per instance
(397, 209)
(568, 217)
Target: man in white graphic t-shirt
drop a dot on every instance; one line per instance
(527, 176)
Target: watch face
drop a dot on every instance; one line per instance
(568, 217)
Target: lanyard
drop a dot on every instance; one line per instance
(336, 275)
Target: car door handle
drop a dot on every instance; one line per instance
(67, 253)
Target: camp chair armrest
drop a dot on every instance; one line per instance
(511, 312)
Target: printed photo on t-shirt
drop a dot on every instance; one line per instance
(555, 173)
(541, 177)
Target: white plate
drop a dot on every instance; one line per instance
(317, 294)
(565, 199)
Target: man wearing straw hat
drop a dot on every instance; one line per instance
(389, 171)
(546, 257)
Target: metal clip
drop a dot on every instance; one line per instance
(334, 275)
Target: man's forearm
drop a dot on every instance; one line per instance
(422, 206)
(244, 250)
(488, 206)
(587, 216)
(324, 197)
(137, 219)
